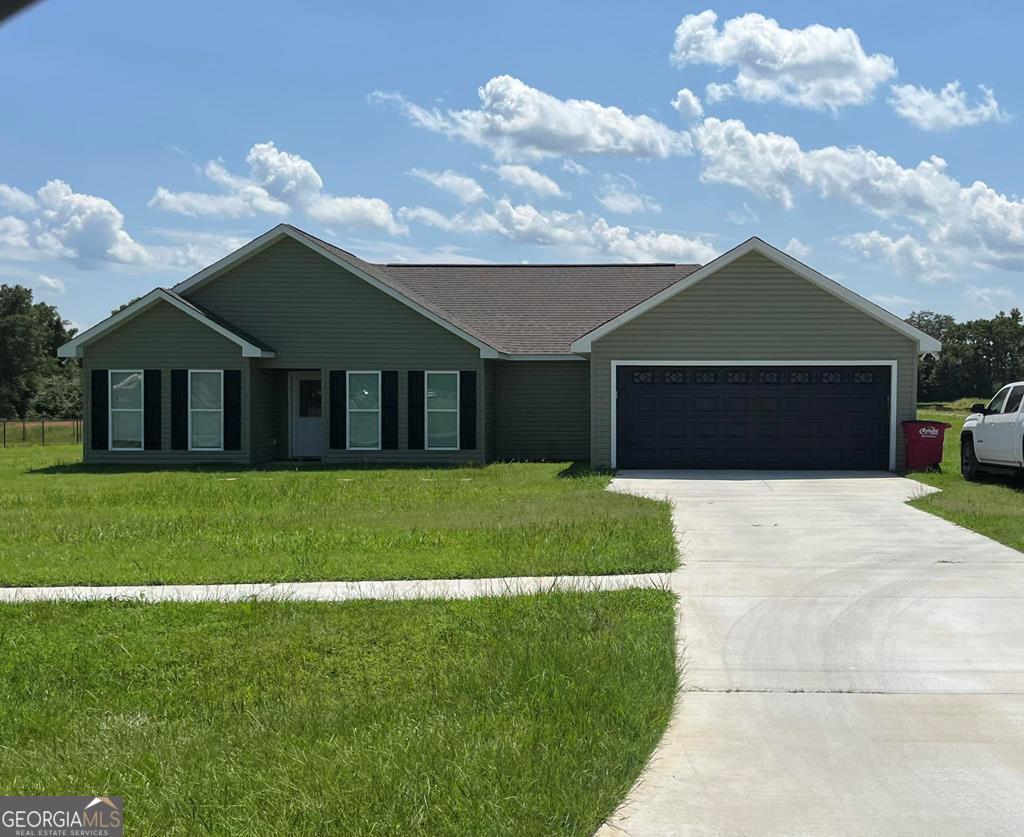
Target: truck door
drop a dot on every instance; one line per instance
(1004, 430)
(986, 444)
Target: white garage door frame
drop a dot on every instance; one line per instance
(892, 364)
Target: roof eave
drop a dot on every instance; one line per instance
(75, 348)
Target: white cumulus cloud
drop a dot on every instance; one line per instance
(15, 200)
(955, 224)
(576, 233)
(744, 215)
(465, 188)
(526, 178)
(946, 109)
(14, 234)
(355, 211)
(797, 249)
(894, 301)
(278, 182)
(688, 104)
(88, 231)
(83, 228)
(620, 195)
(52, 283)
(816, 67)
(517, 122)
(994, 299)
(905, 253)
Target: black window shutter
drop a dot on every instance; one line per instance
(151, 409)
(389, 410)
(98, 416)
(338, 415)
(416, 396)
(467, 410)
(232, 409)
(179, 409)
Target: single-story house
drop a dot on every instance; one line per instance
(291, 347)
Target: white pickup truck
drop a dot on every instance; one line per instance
(993, 435)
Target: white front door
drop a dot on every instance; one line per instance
(306, 414)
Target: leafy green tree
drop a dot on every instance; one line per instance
(977, 357)
(59, 395)
(30, 333)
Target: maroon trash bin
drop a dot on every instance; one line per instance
(924, 443)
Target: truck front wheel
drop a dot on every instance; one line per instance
(968, 461)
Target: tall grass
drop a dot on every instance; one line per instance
(994, 506)
(528, 715)
(31, 432)
(65, 523)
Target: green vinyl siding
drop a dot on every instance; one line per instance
(752, 309)
(164, 338)
(269, 416)
(541, 410)
(318, 316)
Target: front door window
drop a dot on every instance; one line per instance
(309, 399)
(307, 424)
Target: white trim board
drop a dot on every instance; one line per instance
(354, 266)
(892, 364)
(541, 358)
(76, 346)
(925, 342)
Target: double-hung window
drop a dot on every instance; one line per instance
(363, 411)
(125, 409)
(206, 409)
(442, 413)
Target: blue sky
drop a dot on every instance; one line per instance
(144, 141)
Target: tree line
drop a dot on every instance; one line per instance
(34, 382)
(977, 358)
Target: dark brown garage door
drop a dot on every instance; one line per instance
(834, 417)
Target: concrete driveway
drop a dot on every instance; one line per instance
(852, 666)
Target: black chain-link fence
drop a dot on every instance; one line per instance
(40, 431)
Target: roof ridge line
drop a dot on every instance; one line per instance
(538, 265)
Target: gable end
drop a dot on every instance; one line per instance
(925, 342)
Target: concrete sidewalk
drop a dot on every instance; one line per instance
(339, 591)
(851, 665)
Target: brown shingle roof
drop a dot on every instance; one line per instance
(534, 309)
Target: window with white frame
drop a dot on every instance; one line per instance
(206, 409)
(125, 409)
(363, 411)
(442, 414)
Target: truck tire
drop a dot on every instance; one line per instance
(968, 459)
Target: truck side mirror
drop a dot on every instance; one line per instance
(979, 408)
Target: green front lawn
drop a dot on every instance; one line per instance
(524, 715)
(993, 506)
(73, 524)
